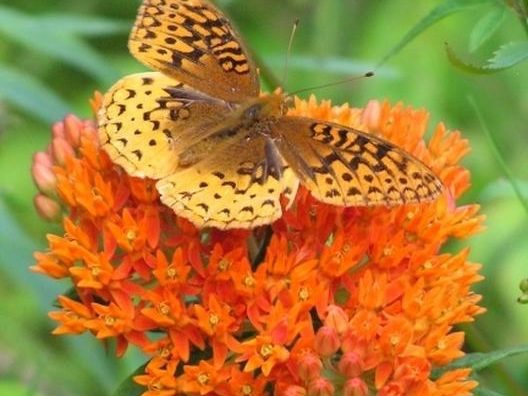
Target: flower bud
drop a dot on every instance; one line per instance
(61, 150)
(327, 341)
(43, 175)
(336, 318)
(294, 390)
(309, 367)
(321, 387)
(46, 207)
(371, 115)
(351, 365)
(355, 387)
(72, 129)
(43, 158)
(57, 130)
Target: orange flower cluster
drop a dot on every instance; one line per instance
(328, 300)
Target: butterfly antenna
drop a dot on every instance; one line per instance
(367, 74)
(288, 52)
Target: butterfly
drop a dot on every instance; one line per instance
(222, 154)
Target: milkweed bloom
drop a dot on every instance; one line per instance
(328, 300)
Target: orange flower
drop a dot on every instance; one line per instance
(366, 286)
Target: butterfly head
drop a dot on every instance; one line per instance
(272, 105)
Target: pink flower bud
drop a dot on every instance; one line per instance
(371, 115)
(47, 208)
(321, 387)
(61, 150)
(327, 341)
(355, 387)
(336, 318)
(351, 365)
(43, 176)
(309, 367)
(295, 390)
(57, 130)
(72, 129)
(43, 158)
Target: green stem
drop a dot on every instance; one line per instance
(498, 156)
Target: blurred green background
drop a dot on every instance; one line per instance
(55, 53)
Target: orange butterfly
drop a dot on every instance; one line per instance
(222, 154)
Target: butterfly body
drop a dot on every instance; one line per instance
(223, 154)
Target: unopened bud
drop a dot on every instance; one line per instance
(355, 387)
(371, 116)
(351, 365)
(321, 387)
(327, 341)
(57, 130)
(309, 367)
(47, 208)
(61, 150)
(294, 390)
(43, 176)
(72, 129)
(336, 318)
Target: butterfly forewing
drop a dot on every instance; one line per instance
(238, 185)
(194, 42)
(147, 119)
(343, 166)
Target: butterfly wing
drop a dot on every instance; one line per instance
(238, 185)
(146, 119)
(195, 43)
(344, 166)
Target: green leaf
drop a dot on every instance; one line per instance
(486, 26)
(463, 65)
(61, 45)
(509, 55)
(486, 392)
(16, 251)
(441, 11)
(83, 25)
(505, 57)
(128, 387)
(478, 361)
(24, 91)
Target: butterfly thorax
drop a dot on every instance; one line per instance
(256, 110)
(252, 118)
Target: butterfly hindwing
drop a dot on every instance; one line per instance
(192, 41)
(238, 185)
(347, 167)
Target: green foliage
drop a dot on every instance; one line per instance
(506, 56)
(32, 96)
(486, 27)
(479, 361)
(128, 387)
(438, 13)
(500, 158)
(55, 36)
